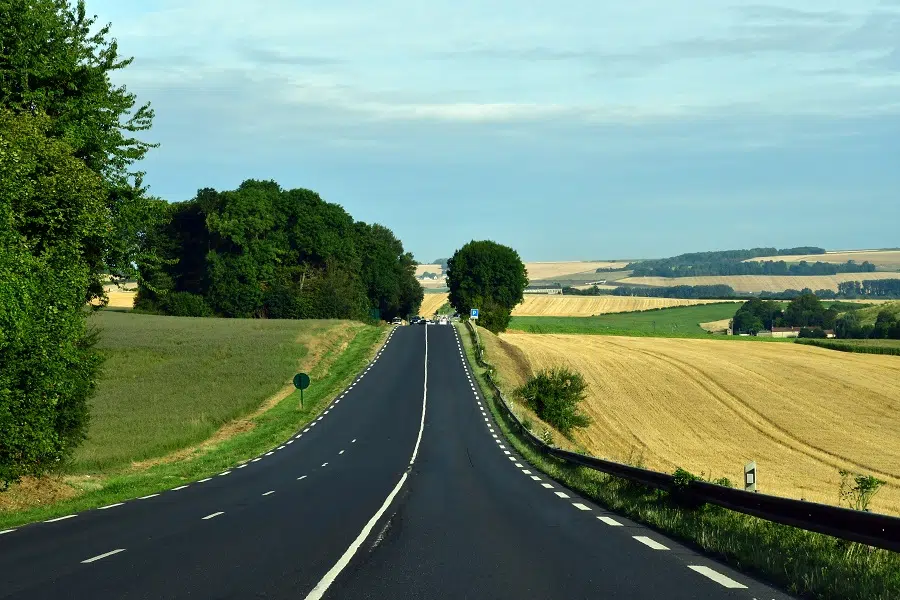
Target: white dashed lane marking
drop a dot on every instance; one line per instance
(324, 464)
(60, 518)
(111, 506)
(148, 497)
(581, 506)
(301, 477)
(535, 478)
(526, 471)
(341, 452)
(717, 577)
(102, 556)
(547, 485)
(254, 460)
(6, 531)
(353, 441)
(269, 453)
(209, 478)
(610, 521)
(269, 493)
(222, 474)
(648, 542)
(561, 494)
(213, 516)
(241, 466)
(180, 487)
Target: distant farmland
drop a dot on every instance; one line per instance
(585, 306)
(556, 270)
(431, 303)
(884, 259)
(763, 283)
(802, 413)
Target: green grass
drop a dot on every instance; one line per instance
(891, 347)
(867, 316)
(681, 321)
(235, 352)
(808, 564)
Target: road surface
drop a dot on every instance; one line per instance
(403, 488)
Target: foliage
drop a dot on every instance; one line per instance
(58, 61)
(185, 304)
(731, 262)
(812, 333)
(554, 395)
(806, 310)
(857, 490)
(885, 347)
(261, 251)
(51, 212)
(871, 288)
(488, 276)
(547, 436)
(677, 291)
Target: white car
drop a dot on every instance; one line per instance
(443, 321)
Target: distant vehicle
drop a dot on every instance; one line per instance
(444, 321)
(396, 321)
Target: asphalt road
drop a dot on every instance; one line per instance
(403, 489)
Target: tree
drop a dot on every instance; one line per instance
(489, 273)
(847, 326)
(55, 60)
(805, 310)
(554, 395)
(51, 214)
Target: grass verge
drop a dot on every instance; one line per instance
(891, 347)
(269, 428)
(808, 564)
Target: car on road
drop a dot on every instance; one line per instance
(396, 321)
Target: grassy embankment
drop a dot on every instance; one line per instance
(804, 563)
(181, 399)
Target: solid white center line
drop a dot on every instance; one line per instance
(301, 477)
(213, 516)
(180, 487)
(6, 531)
(111, 505)
(717, 577)
(148, 497)
(101, 556)
(610, 521)
(341, 452)
(208, 478)
(561, 494)
(324, 464)
(269, 493)
(581, 506)
(547, 485)
(648, 542)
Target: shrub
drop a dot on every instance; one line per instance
(857, 490)
(554, 395)
(185, 304)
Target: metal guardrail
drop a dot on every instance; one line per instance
(873, 529)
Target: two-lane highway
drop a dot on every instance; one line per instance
(404, 489)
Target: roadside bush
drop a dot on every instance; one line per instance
(812, 333)
(554, 395)
(185, 304)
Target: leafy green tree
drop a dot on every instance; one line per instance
(555, 395)
(58, 61)
(490, 273)
(847, 326)
(51, 214)
(805, 310)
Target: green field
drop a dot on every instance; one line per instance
(171, 382)
(681, 321)
(891, 347)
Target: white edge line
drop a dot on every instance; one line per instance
(60, 518)
(90, 560)
(205, 480)
(111, 506)
(326, 581)
(180, 487)
(6, 531)
(717, 577)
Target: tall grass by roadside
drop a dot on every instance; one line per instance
(804, 563)
(889, 347)
(264, 430)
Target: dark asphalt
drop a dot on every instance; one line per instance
(467, 523)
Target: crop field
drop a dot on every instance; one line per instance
(720, 325)
(802, 413)
(536, 305)
(554, 270)
(169, 382)
(431, 303)
(888, 260)
(764, 283)
(679, 321)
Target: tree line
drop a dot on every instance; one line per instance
(266, 252)
(871, 288)
(731, 262)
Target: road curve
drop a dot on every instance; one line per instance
(372, 501)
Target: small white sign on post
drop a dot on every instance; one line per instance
(750, 477)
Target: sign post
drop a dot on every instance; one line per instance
(301, 382)
(750, 477)
(473, 314)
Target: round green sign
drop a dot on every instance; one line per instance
(301, 381)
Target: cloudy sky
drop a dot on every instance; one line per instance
(572, 129)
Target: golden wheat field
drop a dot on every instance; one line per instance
(422, 269)
(720, 325)
(585, 306)
(763, 283)
(802, 413)
(549, 270)
(886, 259)
(431, 303)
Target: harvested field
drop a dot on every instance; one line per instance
(422, 269)
(763, 283)
(431, 303)
(720, 325)
(586, 306)
(802, 413)
(885, 259)
(549, 270)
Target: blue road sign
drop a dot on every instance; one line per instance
(474, 313)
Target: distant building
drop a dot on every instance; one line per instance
(542, 288)
(785, 332)
(829, 333)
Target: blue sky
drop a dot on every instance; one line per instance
(573, 129)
